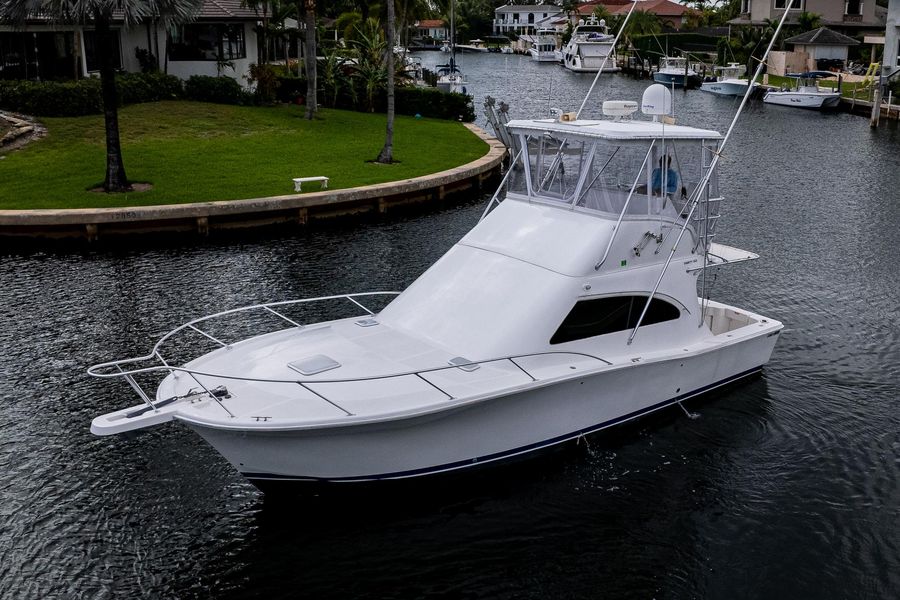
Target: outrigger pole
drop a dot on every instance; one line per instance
(712, 166)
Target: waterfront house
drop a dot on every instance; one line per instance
(671, 14)
(434, 29)
(220, 41)
(849, 17)
(525, 19)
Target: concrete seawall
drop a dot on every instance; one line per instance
(203, 217)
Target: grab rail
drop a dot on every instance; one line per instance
(99, 370)
(129, 375)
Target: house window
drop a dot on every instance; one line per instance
(599, 316)
(898, 53)
(853, 7)
(796, 5)
(530, 18)
(92, 50)
(745, 7)
(207, 42)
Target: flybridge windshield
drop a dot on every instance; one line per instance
(651, 176)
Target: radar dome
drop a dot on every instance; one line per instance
(656, 101)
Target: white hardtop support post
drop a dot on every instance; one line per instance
(696, 194)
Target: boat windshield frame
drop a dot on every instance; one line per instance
(635, 195)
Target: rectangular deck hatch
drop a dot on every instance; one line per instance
(463, 363)
(314, 364)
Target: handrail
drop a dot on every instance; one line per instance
(624, 208)
(307, 383)
(155, 354)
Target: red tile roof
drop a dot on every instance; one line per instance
(430, 23)
(663, 8)
(226, 9)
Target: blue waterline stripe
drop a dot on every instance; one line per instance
(506, 453)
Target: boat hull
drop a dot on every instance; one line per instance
(500, 428)
(722, 88)
(678, 80)
(803, 100)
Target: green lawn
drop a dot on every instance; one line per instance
(194, 152)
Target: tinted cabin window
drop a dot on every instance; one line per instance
(598, 316)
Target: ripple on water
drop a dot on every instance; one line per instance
(786, 486)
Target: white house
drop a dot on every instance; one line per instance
(220, 41)
(524, 19)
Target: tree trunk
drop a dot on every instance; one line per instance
(116, 180)
(310, 58)
(387, 152)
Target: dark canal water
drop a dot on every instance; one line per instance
(785, 487)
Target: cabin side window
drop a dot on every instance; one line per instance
(599, 316)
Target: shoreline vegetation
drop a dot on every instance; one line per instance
(199, 152)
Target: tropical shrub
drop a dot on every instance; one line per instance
(83, 97)
(221, 90)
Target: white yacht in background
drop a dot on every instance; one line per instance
(807, 93)
(589, 46)
(579, 302)
(544, 47)
(727, 81)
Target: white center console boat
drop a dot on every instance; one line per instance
(577, 303)
(807, 93)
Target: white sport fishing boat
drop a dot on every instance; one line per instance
(727, 81)
(590, 48)
(577, 303)
(807, 93)
(676, 71)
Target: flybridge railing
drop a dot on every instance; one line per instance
(114, 369)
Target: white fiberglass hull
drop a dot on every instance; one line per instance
(543, 56)
(474, 432)
(725, 88)
(458, 87)
(811, 100)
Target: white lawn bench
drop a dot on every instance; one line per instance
(298, 181)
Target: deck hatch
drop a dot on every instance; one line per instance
(314, 364)
(463, 363)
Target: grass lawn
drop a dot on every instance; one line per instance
(195, 152)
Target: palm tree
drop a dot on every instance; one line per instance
(310, 57)
(171, 12)
(387, 152)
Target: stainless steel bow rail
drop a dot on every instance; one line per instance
(114, 369)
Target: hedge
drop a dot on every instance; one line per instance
(83, 97)
(408, 100)
(652, 45)
(220, 90)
